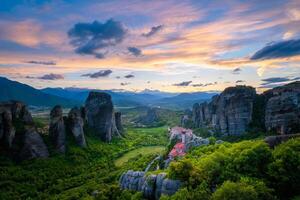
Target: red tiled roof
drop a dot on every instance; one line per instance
(178, 150)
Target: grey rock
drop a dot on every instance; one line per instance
(150, 119)
(273, 141)
(6, 128)
(282, 113)
(229, 113)
(57, 131)
(152, 186)
(76, 126)
(170, 187)
(99, 109)
(118, 121)
(34, 146)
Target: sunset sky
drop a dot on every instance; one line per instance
(169, 45)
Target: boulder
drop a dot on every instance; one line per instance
(34, 146)
(99, 110)
(282, 112)
(57, 131)
(76, 123)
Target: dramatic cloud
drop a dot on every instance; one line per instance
(184, 83)
(125, 83)
(135, 51)
(274, 80)
(129, 76)
(41, 62)
(93, 38)
(153, 31)
(51, 77)
(278, 50)
(236, 71)
(101, 73)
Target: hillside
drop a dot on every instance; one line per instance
(13, 90)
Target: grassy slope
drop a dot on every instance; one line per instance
(140, 151)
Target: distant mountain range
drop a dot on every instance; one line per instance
(69, 97)
(13, 90)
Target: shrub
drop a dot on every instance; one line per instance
(235, 191)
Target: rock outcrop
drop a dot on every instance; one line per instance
(34, 146)
(118, 121)
(76, 122)
(275, 140)
(232, 111)
(150, 119)
(152, 186)
(282, 112)
(18, 135)
(100, 115)
(229, 113)
(57, 131)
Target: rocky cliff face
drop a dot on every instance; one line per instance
(18, 136)
(235, 108)
(57, 131)
(282, 112)
(100, 115)
(152, 186)
(229, 113)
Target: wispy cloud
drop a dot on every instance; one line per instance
(153, 31)
(278, 80)
(124, 83)
(135, 51)
(51, 77)
(236, 71)
(129, 76)
(101, 73)
(41, 62)
(183, 84)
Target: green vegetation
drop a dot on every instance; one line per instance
(246, 168)
(243, 170)
(80, 172)
(139, 152)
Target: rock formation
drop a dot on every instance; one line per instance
(76, 122)
(282, 112)
(236, 108)
(17, 132)
(152, 186)
(275, 140)
(34, 146)
(118, 121)
(150, 119)
(100, 115)
(57, 131)
(229, 113)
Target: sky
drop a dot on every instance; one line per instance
(170, 45)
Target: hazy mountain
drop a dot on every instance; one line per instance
(185, 100)
(13, 90)
(68, 97)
